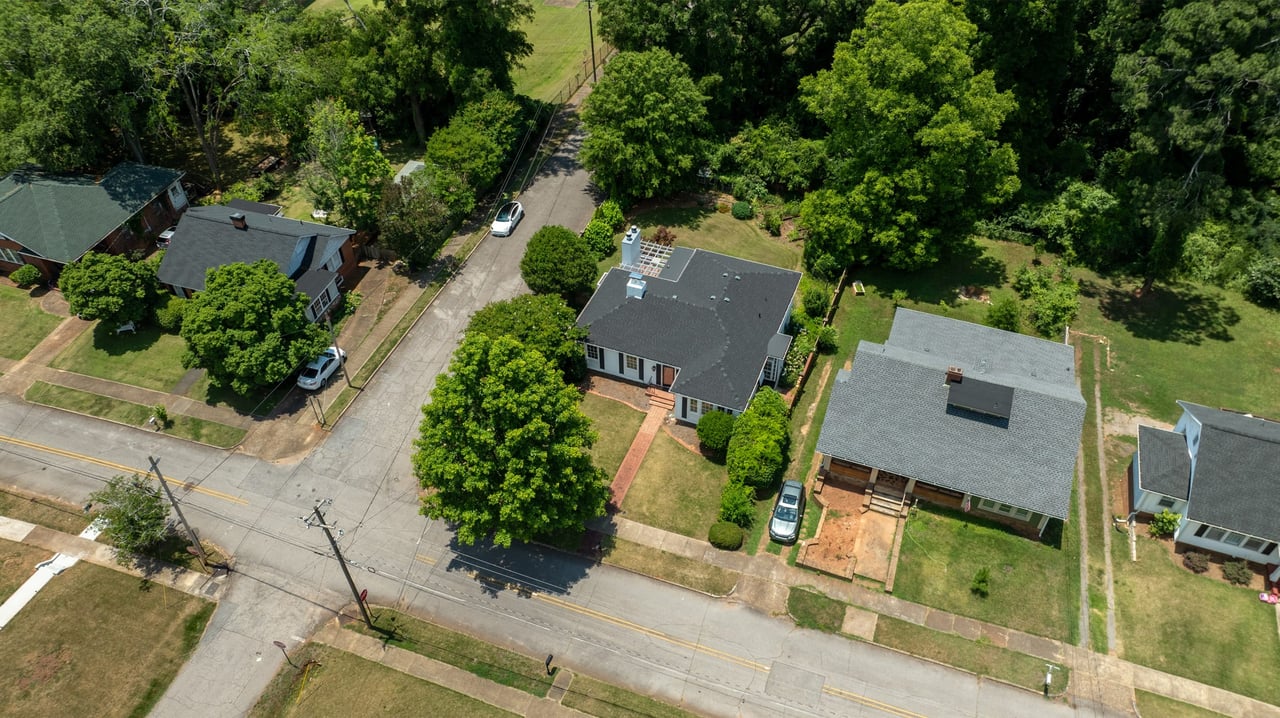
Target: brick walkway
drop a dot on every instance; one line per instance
(635, 455)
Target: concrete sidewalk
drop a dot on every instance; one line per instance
(1096, 678)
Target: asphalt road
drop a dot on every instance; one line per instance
(715, 656)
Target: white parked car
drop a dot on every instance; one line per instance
(321, 368)
(508, 217)
(165, 237)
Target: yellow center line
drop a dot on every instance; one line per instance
(120, 467)
(871, 702)
(425, 559)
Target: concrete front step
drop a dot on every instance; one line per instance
(886, 505)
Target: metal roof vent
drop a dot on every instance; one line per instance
(238, 220)
(635, 286)
(726, 299)
(737, 277)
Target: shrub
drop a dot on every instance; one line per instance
(757, 450)
(161, 415)
(802, 345)
(899, 296)
(1006, 314)
(26, 276)
(737, 504)
(715, 428)
(169, 316)
(816, 301)
(981, 585)
(599, 236)
(1164, 524)
(663, 236)
(827, 339)
(1030, 279)
(772, 222)
(742, 210)
(748, 188)
(1237, 572)
(610, 212)
(725, 536)
(1262, 281)
(1197, 562)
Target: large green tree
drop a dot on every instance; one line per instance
(646, 125)
(504, 450)
(913, 146)
(413, 220)
(346, 171)
(110, 287)
(557, 261)
(543, 322)
(137, 516)
(248, 329)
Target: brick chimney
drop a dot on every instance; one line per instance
(954, 375)
(238, 221)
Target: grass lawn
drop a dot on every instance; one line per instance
(1151, 704)
(125, 412)
(616, 424)
(26, 326)
(560, 44)
(339, 684)
(257, 404)
(978, 657)
(339, 5)
(669, 567)
(676, 490)
(1033, 585)
(148, 358)
(42, 511)
(457, 649)
(66, 649)
(1194, 626)
(601, 699)
(705, 228)
(811, 609)
(17, 563)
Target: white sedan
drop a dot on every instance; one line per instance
(321, 368)
(508, 217)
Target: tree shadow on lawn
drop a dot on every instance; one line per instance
(968, 265)
(523, 568)
(1179, 313)
(105, 338)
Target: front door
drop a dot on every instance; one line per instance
(668, 376)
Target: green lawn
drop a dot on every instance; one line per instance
(676, 490)
(616, 424)
(148, 358)
(811, 609)
(339, 5)
(26, 324)
(340, 684)
(705, 228)
(67, 647)
(124, 412)
(1194, 626)
(1150, 704)
(1033, 585)
(17, 563)
(679, 570)
(560, 44)
(42, 511)
(601, 699)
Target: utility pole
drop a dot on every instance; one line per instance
(364, 610)
(195, 540)
(591, 33)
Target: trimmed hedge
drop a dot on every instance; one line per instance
(725, 536)
(715, 429)
(758, 449)
(26, 276)
(742, 210)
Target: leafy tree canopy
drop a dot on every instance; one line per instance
(413, 219)
(110, 287)
(248, 329)
(137, 515)
(504, 447)
(541, 322)
(557, 261)
(346, 171)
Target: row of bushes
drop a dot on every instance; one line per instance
(1237, 571)
(755, 449)
(607, 221)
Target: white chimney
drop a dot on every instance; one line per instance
(631, 247)
(635, 286)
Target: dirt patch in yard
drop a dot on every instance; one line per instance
(831, 551)
(1116, 422)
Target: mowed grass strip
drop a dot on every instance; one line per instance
(148, 358)
(676, 490)
(810, 609)
(606, 701)
(616, 425)
(1030, 582)
(1152, 704)
(338, 684)
(978, 657)
(17, 563)
(125, 412)
(42, 511)
(458, 649)
(669, 567)
(97, 637)
(25, 324)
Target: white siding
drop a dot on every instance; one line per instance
(1187, 534)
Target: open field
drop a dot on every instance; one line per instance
(148, 358)
(676, 490)
(616, 424)
(25, 323)
(560, 44)
(339, 684)
(67, 647)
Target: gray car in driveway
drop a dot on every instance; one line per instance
(784, 524)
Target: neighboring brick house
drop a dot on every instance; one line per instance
(50, 220)
(707, 327)
(1221, 471)
(961, 415)
(319, 258)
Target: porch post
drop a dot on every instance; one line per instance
(875, 473)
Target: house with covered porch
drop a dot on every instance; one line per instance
(1220, 471)
(704, 326)
(960, 415)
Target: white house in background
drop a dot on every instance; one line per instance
(707, 327)
(1221, 471)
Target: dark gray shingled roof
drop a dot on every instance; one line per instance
(1237, 479)
(245, 205)
(61, 217)
(890, 412)
(715, 317)
(1164, 466)
(205, 239)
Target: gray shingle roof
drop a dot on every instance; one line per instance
(206, 238)
(890, 412)
(716, 320)
(61, 217)
(1237, 473)
(245, 205)
(1164, 466)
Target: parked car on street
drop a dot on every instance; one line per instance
(784, 525)
(509, 215)
(317, 373)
